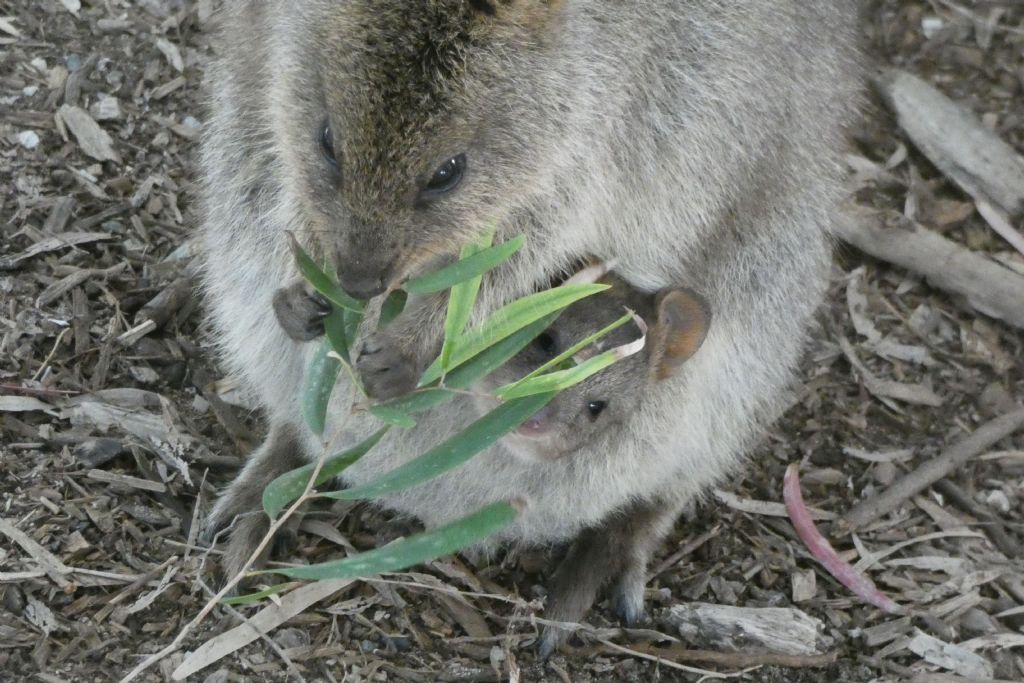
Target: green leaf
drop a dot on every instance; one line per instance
(290, 485)
(337, 335)
(463, 376)
(461, 300)
(557, 381)
(465, 268)
(393, 416)
(321, 281)
(508, 319)
(320, 378)
(352, 322)
(452, 452)
(496, 355)
(574, 349)
(259, 595)
(416, 402)
(407, 552)
(392, 307)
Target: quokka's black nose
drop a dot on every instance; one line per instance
(363, 279)
(362, 287)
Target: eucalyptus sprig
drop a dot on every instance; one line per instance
(468, 355)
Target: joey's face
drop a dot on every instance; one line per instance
(577, 416)
(419, 124)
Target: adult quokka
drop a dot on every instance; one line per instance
(696, 143)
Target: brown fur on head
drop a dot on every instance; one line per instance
(387, 94)
(677, 322)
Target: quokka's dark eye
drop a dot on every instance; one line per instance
(595, 408)
(327, 145)
(547, 343)
(446, 177)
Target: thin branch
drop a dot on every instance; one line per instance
(230, 585)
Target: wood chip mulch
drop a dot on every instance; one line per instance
(117, 427)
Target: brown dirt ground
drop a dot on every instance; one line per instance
(121, 508)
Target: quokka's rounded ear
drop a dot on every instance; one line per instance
(682, 324)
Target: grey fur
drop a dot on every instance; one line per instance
(696, 143)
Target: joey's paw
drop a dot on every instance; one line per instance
(300, 311)
(386, 372)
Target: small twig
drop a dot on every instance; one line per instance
(733, 660)
(986, 285)
(48, 562)
(930, 472)
(193, 528)
(132, 588)
(964, 12)
(229, 586)
(686, 550)
(7, 389)
(992, 525)
(998, 221)
(447, 590)
(869, 560)
(263, 636)
(53, 352)
(636, 652)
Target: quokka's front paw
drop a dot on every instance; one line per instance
(385, 370)
(300, 311)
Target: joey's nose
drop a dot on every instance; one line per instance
(536, 425)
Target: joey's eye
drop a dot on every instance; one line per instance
(327, 145)
(547, 344)
(446, 177)
(595, 408)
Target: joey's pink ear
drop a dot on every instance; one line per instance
(683, 321)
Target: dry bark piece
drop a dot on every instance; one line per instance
(68, 239)
(949, 678)
(96, 452)
(931, 471)
(886, 632)
(59, 215)
(956, 141)
(951, 657)
(993, 526)
(988, 286)
(79, 277)
(917, 394)
(778, 630)
(23, 404)
(126, 481)
(93, 140)
(48, 562)
(675, 653)
(165, 304)
(267, 619)
(766, 508)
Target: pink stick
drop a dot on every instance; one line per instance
(823, 551)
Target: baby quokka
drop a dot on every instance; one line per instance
(674, 322)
